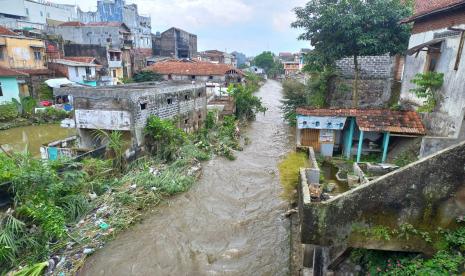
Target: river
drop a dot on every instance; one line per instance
(32, 137)
(229, 223)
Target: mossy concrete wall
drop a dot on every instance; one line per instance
(427, 194)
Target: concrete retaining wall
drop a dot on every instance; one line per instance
(426, 194)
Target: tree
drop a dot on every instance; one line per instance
(353, 28)
(265, 60)
(144, 76)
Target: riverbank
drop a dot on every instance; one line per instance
(230, 222)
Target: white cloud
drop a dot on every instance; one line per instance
(196, 13)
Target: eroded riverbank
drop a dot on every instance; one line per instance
(229, 223)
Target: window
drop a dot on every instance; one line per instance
(186, 97)
(143, 106)
(41, 14)
(1, 90)
(88, 71)
(37, 55)
(2, 55)
(199, 94)
(186, 121)
(432, 57)
(48, 15)
(27, 11)
(169, 101)
(76, 71)
(192, 77)
(210, 77)
(170, 77)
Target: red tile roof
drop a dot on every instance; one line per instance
(427, 7)
(72, 24)
(5, 72)
(376, 120)
(192, 68)
(80, 59)
(35, 71)
(6, 31)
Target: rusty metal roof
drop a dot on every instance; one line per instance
(375, 120)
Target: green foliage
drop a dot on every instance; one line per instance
(247, 105)
(45, 92)
(405, 158)
(339, 29)
(210, 121)
(313, 94)
(289, 173)
(50, 217)
(50, 114)
(25, 105)
(33, 270)
(265, 60)
(165, 136)
(115, 147)
(145, 76)
(8, 111)
(445, 262)
(427, 86)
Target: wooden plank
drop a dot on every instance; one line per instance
(459, 53)
(311, 138)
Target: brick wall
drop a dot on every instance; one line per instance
(439, 21)
(376, 76)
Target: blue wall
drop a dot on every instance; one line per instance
(109, 11)
(10, 89)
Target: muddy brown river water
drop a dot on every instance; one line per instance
(229, 223)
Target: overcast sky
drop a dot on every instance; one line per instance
(248, 26)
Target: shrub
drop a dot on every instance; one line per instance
(145, 76)
(247, 105)
(166, 137)
(428, 85)
(50, 114)
(8, 111)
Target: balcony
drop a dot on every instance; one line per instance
(115, 63)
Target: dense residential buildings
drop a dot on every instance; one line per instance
(109, 42)
(18, 14)
(193, 70)
(118, 11)
(219, 57)
(175, 43)
(436, 45)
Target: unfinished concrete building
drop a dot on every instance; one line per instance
(127, 107)
(175, 43)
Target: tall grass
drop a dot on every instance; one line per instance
(289, 173)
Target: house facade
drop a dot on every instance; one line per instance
(436, 44)
(119, 11)
(20, 52)
(9, 86)
(354, 131)
(77, 69)
(19, 14)
(175, 43)
(126, 108)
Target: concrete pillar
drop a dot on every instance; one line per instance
(297, 137)
(360, 147)
(320, 261)
(385, 146)
(350, 138)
